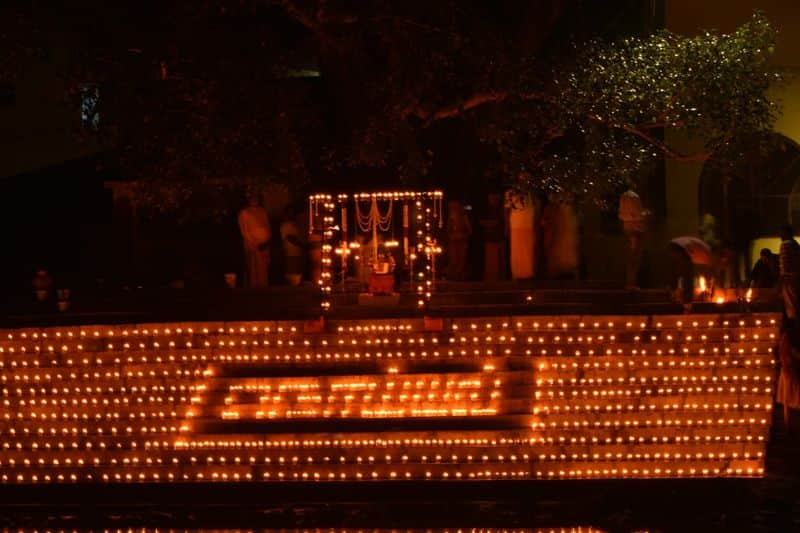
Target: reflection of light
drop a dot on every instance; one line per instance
(391, 244)
(719, 300)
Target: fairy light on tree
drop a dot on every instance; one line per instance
(621, 95)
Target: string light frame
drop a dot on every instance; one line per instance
(420, 243)
(321, 219)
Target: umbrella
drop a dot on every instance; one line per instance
(699, 252)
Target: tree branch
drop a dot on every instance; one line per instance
(481, 99)
(657, 143)
(654, 125)
(666, 149)
(299, 15)
(467, 104)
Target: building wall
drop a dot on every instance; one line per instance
(690, 18)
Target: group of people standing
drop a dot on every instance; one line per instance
(523, 238)
(788, 349)
(256, 231)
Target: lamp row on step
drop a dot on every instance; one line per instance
(543, 359)
(759, 335)
(242, 474)
(134, 461)
(456, 325)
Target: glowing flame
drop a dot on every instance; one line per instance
(719, 300)
(748, 295)
(701, 283)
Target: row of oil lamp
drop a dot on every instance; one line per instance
(543, 360)
(398, 439)
(597, 345)
(633, 389)
(96, 430)
(763, 345)
(677, 322)
(541, 407)
(414, 410)
(166, 354)
(362, 413)
(637, 387)
(231, 476)
(656, 448)
(108, 344)
(600, 417)
(668, 443)
(376, 340)
(659, 364)
(662, 322)
(724, 371)
(103, 390)
(599, 420)
(766, 376)
(698, 347)
(136, 461)
(627, 393)
(721, 373)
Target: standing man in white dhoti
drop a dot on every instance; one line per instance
(256, 234)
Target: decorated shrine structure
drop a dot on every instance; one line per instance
(493, 398)
(372, 229)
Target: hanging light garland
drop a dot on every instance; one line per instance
(373, 221)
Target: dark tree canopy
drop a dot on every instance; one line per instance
(570, 96)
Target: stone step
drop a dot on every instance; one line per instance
(346, 425)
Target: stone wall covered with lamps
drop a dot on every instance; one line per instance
(488, 398)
